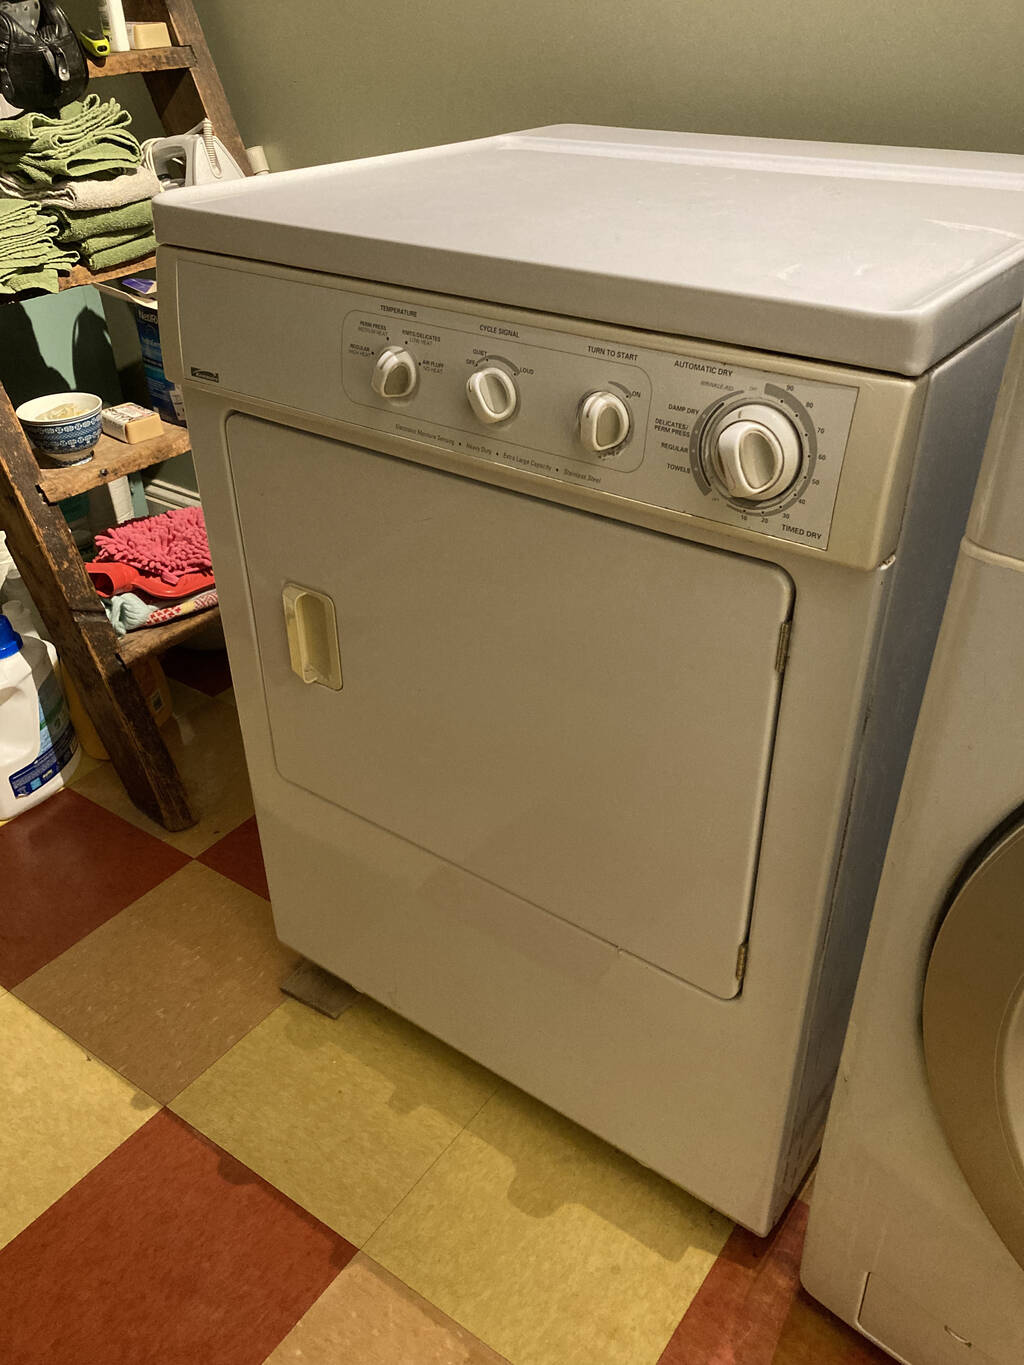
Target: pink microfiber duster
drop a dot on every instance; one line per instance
(167, 547)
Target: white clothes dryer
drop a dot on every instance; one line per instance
(916, 1233)
(583, 504)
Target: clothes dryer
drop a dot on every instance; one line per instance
(583, 503)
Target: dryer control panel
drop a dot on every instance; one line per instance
(748, 447)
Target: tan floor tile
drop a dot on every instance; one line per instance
(369, 1317)
(344, 1115)
(86, 765)
(184, 698)
(166, 987)
(548, 1244)
(206, 744)
(61, 1112)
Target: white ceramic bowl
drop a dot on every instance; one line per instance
(62, 438)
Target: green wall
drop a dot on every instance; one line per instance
(360, 77)
(57, 343)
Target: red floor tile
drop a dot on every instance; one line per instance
(239, 856)
(814, 1336)
(740, 1310)
(204, 669)
(67, 866)
(169, 1252)
(751, 1310)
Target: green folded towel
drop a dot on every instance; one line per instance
(24, 227)
(105, 155)
(17, 211)
(100, 241)
(88, 138)
(29, 257)
(14, 255)
(103, 241)
(133, 250)
(41, 279)
(77, 120)
(78, 225)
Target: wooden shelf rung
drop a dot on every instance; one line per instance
(137, 644)
(111, 460)
(145, 59)
(81, 274)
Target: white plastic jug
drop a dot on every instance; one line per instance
(38, 748)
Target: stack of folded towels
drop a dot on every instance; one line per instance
(80, 171)
(29, 256)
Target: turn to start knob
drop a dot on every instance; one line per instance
(394, 374)
(604, 422)
(757, 453)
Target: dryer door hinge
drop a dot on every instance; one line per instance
(741, 963)
(782, 652)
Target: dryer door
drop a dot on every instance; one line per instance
(576, 710)
(974, 1034)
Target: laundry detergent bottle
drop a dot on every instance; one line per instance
(38, 748)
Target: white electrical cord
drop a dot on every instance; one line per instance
(211, 145)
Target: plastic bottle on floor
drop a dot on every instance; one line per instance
(38, 748)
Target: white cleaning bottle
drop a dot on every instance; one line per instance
(38, 748)
(112, 22)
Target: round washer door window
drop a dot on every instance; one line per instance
(973, 1022)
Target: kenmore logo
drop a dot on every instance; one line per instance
(211, 375)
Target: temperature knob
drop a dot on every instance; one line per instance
(757, 453)
(394, 374)
(604, 422)
(492, 394)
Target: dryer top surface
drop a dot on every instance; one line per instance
(888, 258)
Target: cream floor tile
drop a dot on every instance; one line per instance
(548, 1244)
(206, 743)
(61, 1112)
(369, 1318)
(163, 989)
(344, 1115)
(86, 765)
(184, 698)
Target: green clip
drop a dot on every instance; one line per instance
(96, 43)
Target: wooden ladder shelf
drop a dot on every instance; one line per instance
(185, 88)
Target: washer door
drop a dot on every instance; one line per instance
(974, 1034)
(578, 711)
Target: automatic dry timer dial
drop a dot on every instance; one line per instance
(752, 453)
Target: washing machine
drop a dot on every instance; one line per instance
(916, 1233)
(583, 503)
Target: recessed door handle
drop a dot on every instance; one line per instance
(312, 628)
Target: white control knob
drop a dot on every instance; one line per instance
(394, 375)
(604, 422)
(492, 394)
(757, 453)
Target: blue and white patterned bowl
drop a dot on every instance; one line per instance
(62, 438)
